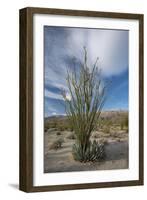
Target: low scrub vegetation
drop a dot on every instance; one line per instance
(57, 144)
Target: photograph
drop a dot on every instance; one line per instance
(81, 99)
(86, 101)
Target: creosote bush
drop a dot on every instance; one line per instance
(124, 123)
(87, 96)
(58, 133)
(57, 144)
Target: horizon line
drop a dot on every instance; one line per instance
(112, 110)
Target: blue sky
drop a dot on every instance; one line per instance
(63, 46)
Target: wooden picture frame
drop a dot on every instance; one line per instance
(26, 174)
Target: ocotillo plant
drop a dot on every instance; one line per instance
(87, 96)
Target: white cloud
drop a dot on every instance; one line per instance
(54, 113)
(111, 46)
(52, 95)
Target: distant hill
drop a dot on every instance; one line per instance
(55, 117)
(105, 114)
(61, 121)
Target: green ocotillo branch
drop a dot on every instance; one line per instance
(87, 96)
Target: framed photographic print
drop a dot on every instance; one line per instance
(81, 99)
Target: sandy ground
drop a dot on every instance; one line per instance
(61, 160)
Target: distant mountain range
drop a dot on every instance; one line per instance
(105, 114)
(55, 117)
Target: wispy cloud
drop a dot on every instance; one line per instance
(64, 46)
(52, 95)
(111, 46)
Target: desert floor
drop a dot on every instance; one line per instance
(61, 160)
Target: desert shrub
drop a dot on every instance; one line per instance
(124, 123)
(54, 124)
(71, 136)
(114, 134)
(119, 140)
(88, 92)
(46, 125)
(100, 123)
(103, 141)
(95, 135)
(62, 128)
(107, 125)
(94, 152)
(51, 125)
(106, 129)
(58, 133)
(57, 144)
